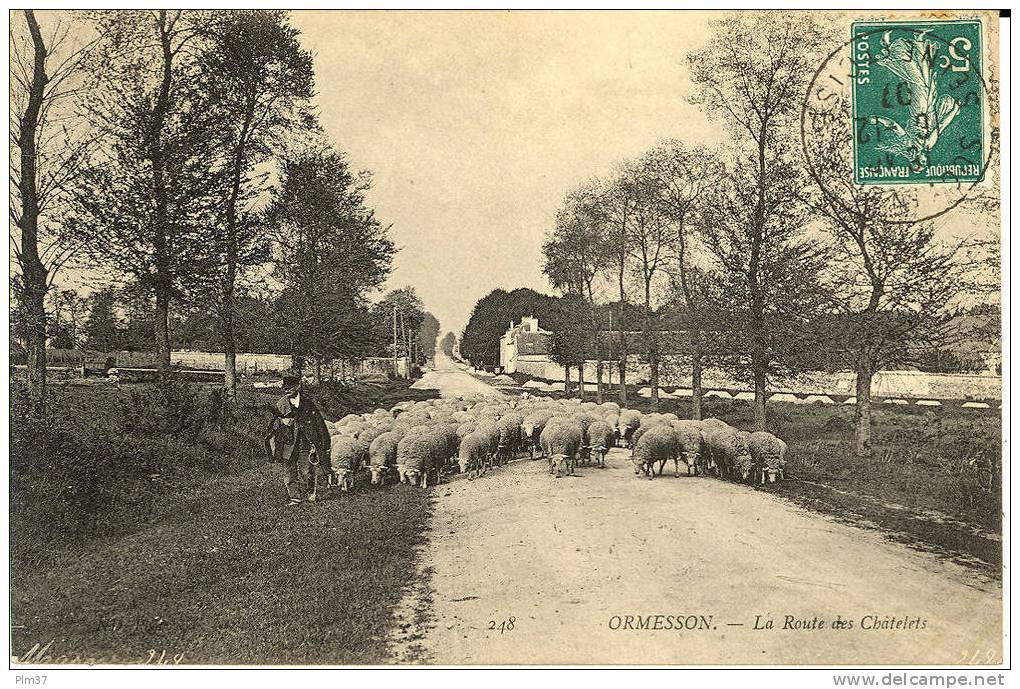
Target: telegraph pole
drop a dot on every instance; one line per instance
(396, 371)
(610, 334)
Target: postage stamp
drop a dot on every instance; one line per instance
(917, 102)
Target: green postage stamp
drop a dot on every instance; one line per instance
(918, 99)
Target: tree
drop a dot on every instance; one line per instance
(150, 209)
(576, 252)
(648, 246)
(330, 252)
(769, 283)
(618, 202)
(47, 152)
(492, 315)
(263, 82)
(405, 308)
(753, 74)
(448, 344)
(102, 329)
(891, 282)
(428, 334)
(684, 178)
(572, 336)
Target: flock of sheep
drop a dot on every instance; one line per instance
(419, 442)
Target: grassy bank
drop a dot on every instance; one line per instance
(934, 480)
(147, 525)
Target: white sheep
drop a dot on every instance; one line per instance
(346, 455)
(690, 443)
(473, 454)
(415, 453)
(629, 422)
(600, 439)
(657, 444)
(560, 440)
(382, 456)
(768, 455)
(727, 449)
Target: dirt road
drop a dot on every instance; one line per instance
(604, 568)
(452, 381)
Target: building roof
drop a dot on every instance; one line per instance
(530, 344)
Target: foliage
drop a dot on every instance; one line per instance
(577, 250)
(428, 334)
(573, 331)
(407, 308)
(491, 317)
(264, 81)
(331, 251)
(149, 208)
(448, 343)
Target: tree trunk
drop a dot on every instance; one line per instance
(230, 275)
(566, 381)
(227, 326)
(33, 272)
(650, 354)
(35, 312)
(696, 391)
(862, 411)
(161, 220)
(758, 364)
(623, 380)
(623, 339)
(317, 372)
(230, 366)
(598, 380)
(580, 381)
(162, 332)
(653, 366)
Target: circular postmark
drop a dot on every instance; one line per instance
(901, 106)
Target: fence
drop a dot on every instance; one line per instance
(890, 384)
(385, 366)
(248, 364)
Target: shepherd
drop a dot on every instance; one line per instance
(299, 440)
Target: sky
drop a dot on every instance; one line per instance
(476, 125)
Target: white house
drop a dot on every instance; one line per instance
(522, 343)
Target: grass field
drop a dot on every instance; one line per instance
(144, 537)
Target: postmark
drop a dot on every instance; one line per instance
(917, 102)
(840, 138)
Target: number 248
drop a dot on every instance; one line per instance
(503, 627)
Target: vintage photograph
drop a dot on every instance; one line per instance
(506, 338)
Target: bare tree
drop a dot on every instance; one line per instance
(47, 152)
(753, 73)
(648, 251)
(618, 202)
(685, 177)
(892, 282)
